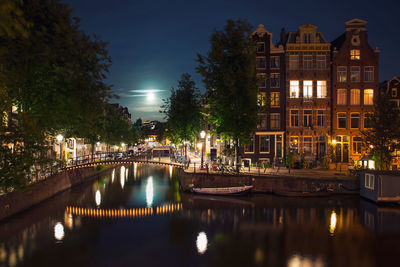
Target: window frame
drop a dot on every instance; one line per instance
(368, 97)
(292, 115)
(353, 98)
(294, 62)
(324, 117)
(340, 71)
(276, 119)
(275, 101)
(338, 119)
(259, 51)
(371, 74)
(355, 70)
(353, 115)
(321, 84)
(355, 145)
(307, 118)
(320, 65)
(308, 64)
(265, 62)
(291, 87)
(276, 61)
(275, 81)
(355, 54)
(268, 144)
(307, 89)
(339, 98)
(309, 142)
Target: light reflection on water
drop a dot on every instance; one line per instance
(196, 230)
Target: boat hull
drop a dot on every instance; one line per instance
(236, 190)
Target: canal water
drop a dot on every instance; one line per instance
(135, 215)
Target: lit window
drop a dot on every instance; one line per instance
(260, 47)
(307, 117)
(264, 143)
(274, 62)
(355, 120)
(355, 97)
(368, 120)
(249, 148)
(307, 89)
(394, 92)
(294, 89)
(357, 145)
(275, 120)
(321, 89)
(321, 118)
(294, 118)
(262, 80)
(342, 120)
(293, 62)
(294, 144)
(307, 62)
(321, 62)
(275, 80)
(355, 74)
(261, 99)
(341, 97)
(307, 145)
(342, 74)
(368, 74)
(368, 97)
(261, 63)
(355, 54)
(275, 99)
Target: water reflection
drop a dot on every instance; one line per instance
(257, 230)
(59, 231)
(332, 225)
(135, 170)
(98, 198)
(170, 172)
(149, 191)
(112, 176)
(201, 242)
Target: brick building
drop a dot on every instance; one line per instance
(268, 142)
(308, 94)
(355, 82)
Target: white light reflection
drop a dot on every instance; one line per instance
(126, 174)
(201, 242)
(122, 177)
(149, 191)
(112, 176)
(98, 198)
(170, 172)
(135, 170)
(298, 261)
(59, 231)
(332, 225)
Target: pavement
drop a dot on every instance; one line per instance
(318, 173)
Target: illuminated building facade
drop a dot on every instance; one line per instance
(355, 83)
(308, 92)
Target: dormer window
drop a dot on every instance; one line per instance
(355, 54)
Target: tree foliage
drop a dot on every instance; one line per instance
(183, 111)
(54, 74)
(229, 74)
(384, 137)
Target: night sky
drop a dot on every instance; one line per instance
(153, 42)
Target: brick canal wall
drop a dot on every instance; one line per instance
(281, 185)
(16, 202)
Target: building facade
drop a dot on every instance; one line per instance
(267, 145)
(308, 92)
(355, 83)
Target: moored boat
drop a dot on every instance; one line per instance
(234, 190)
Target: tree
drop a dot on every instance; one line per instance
(384, 137)
(53, 74)
(229, 74)
(183, 112)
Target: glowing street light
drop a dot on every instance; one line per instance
(202, 135)
(59, 231)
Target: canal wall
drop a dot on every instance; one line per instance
(16, 202)
(280, 185)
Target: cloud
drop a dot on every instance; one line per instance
(146, 91)
(147, 109)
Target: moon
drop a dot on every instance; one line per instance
(150, 97)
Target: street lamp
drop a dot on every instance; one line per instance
(202, 135)
(60, 137)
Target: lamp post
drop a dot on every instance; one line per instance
(202, 135)
(60, 137)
